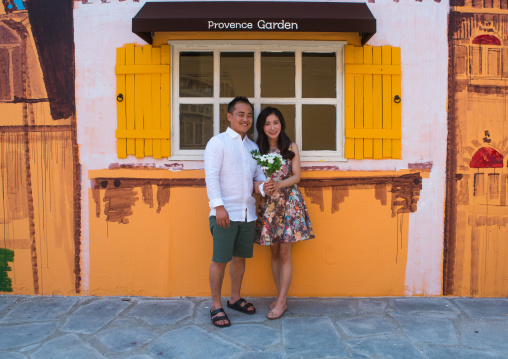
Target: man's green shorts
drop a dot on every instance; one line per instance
(237, 240)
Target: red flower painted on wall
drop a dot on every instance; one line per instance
(486, 157)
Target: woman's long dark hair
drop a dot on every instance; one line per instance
(284, 141)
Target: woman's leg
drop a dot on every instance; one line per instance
(285, 276)
(275, 249)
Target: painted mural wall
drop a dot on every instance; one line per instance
(39, 211)
(103, 225)
(476, 237)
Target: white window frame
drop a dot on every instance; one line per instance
(257, 47)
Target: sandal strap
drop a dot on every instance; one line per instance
(216, 319)
(240, 301)
(217, 311)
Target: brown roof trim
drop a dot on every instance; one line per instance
(270, 16)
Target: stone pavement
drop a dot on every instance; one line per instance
(139, 328)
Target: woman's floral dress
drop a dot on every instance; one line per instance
(283, 217)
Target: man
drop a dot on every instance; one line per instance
(230, 173)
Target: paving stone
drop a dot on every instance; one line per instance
(19, 335)
(124, 335)
(65, 347)
(311, 338)
(11, 355)
(192, 342)
(261, 305)
(323, 306)
(262, 355)
(428, 330)
(390, 346)
(430, 307)
(6, 300)
(252, 336)
(372, 306)
(39, 309)
(90, 317)
(459, 353)
(488, 308)
(363, 356)
(485, 334)
(367, 325)
(162, 312)
(29, 348)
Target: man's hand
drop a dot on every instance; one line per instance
(256, 186)
(222, 217)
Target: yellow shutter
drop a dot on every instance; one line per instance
(143, 100)
(372, 102)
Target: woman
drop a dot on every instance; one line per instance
(282, 217)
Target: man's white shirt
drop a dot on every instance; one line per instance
(229, 172)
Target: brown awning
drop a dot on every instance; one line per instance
(269, 16)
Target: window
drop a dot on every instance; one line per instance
(11, 83)
(165, 116)
(488, 61)
(303, 79)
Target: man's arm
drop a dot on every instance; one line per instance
(213, 161)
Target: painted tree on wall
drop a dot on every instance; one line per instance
(6, 255)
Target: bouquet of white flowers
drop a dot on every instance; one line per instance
(270, 163)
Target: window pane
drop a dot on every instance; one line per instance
(504, 62)
(493, 62)
(196, 126)
(17, 72)
(196, 74)
(319, 128)
(479, 184)
(278, 74)
(494, 185)
(319, 72)
(460, 60)
(288, 111)
(476, 61)
(5, 88)
(236, 74)
(224, 123)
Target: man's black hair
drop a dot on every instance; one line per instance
(231, 106)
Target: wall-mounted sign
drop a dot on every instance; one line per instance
(257, 25)
(253, 16)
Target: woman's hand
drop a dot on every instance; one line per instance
(270, 187)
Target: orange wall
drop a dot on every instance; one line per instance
(359, 250)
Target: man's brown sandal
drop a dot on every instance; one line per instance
(215, 319)
(244, 309)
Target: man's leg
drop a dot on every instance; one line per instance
(216, 276)
(243, 249)
(223, 242)
(236, 271)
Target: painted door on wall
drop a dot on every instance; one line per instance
(476, 222)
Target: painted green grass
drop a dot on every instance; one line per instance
(6, 255)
